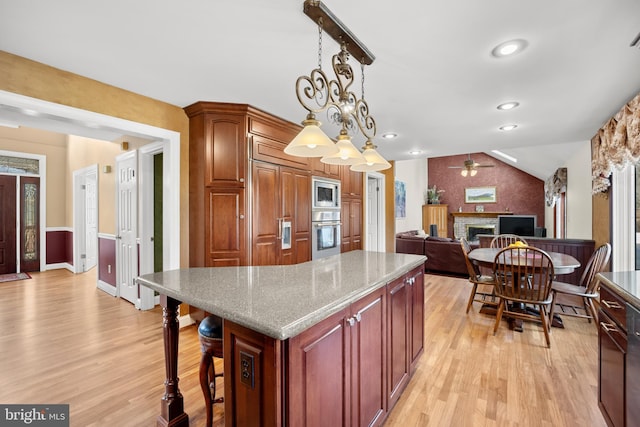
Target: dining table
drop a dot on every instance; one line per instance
(562, 264)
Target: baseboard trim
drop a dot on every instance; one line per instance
(59, 266)
(104, 286)
(185, 320)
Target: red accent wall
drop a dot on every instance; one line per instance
(59, 247)
(106, 258)
(516, 191)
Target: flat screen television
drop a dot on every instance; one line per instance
(522, 225)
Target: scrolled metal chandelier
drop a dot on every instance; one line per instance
(317, 93)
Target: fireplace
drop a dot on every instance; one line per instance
(474, 229)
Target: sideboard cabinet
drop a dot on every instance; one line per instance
(435, 214)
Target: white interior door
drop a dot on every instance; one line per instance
(85, 218)
(374, 212)
(91, 219)
(127, 226)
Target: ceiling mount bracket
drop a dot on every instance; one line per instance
(316, 10)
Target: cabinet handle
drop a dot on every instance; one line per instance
(611, 304)
(358, 317)
(608, 327)
(241, 216)
(241, 180)
(279, 237)
(351, 321)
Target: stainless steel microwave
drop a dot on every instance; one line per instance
(326, 193)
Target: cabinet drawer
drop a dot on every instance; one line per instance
(613, 306)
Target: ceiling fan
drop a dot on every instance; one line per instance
(470, 167)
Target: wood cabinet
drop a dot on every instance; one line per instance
(323, 169)
(223, 141)
(335, 373)
(351, 212)
(351, 217)
(217, 188)
(405, 297)
(435, 214)
(281, 195)
(337, 368)
(612, 349)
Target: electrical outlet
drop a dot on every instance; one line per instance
(247, 376)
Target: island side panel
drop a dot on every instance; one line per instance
(253, 369)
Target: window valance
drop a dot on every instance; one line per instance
(555, 185)
(616, 145)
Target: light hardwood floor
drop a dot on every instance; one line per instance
(64, 341)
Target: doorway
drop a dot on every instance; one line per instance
(374, 212)
(85, 218)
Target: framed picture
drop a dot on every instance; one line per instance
(480, 195)
(401, 199)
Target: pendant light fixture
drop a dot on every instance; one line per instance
(316, 93)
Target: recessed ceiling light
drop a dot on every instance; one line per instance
(508, 105)
(415, 152)
(509, 48)
(508, 127)
(389, 135)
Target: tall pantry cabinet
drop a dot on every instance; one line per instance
(242, 188)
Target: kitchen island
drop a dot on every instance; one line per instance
(326, 342)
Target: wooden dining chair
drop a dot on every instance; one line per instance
(476, 278)
(578, 301)
(504, 240)
(523, 276)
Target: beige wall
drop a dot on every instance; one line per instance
(84, 152)
(54, 147)
(36, 80)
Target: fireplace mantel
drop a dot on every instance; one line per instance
(481, 214)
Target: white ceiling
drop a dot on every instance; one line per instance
(433, 82)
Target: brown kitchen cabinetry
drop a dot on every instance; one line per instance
(351, 216)
(351, 213)
(612, 349)
(281, 201)
(405, 299)
(223, 140)
(324, 169)
(337, 368)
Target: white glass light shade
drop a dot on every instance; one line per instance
(373, 161)
(473, 172)
(347, 154)
(464, 172)
(311, 141)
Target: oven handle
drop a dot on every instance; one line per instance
(326, 224)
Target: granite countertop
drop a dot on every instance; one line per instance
(282, 301)
(624, 283)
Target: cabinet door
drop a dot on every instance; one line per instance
(301, 225)
(266, 209)
(318, 383)
(398, 336)
(612, 350)
(368, 367)
(351, 182)
(225, 150)
(324, 169)
(417, 315)
(226, 231)
(345, 214)
(356, 224)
